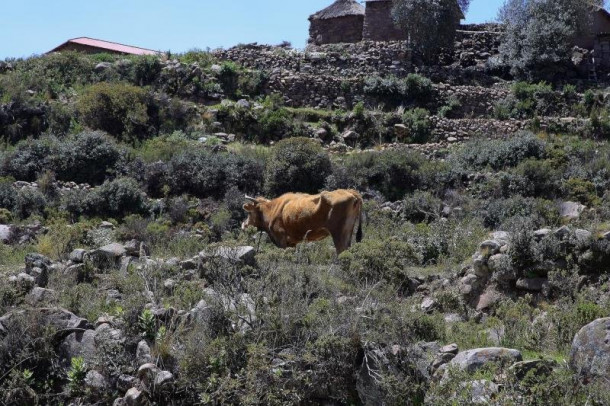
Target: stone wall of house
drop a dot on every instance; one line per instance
(347, 29)
(378, 23)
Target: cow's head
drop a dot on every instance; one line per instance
(255, 215)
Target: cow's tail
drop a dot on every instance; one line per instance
(359, 232)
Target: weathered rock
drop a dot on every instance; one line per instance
(472, 360)
(532, 284)
(539, 367)
(102, 66)
(107, 225)
(22, 282)
(540, 234)
(562, 232)
(5, 233)
(450, 349)
(79, 344)
(489, 248)
(78, 255)
(143, 353)
(488, 299)
(147, 373)
(243, 254)
(468, 284)
(95, 381)
(571, 210)
(107, 256)
(482, 391)
(480, 267)
(401, 131)
(40, 295)
(163, 379)
(428, 305)
(135, 397)
(590, 354)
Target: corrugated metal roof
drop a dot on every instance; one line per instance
(110, 46)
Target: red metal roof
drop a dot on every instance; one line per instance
(110, 46)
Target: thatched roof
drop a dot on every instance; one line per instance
(340, 8)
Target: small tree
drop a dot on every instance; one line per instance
(540, 34)
(430, 24)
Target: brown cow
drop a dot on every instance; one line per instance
(295, 217)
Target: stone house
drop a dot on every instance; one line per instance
(342, 21)
(378, 22)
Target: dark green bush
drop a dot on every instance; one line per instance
(8, 194)
(540, 212)
(205, 174)
(119, 197)
(87, 157)
(29, 202)
(418, 124)
(414, 89)
(296, 165)
(498, 154)
(146, 70)
(228, 76)
(392, 172)
(119, 109)
(29, 159)
(422, 207)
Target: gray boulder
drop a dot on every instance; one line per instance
(78, 255)
(241, 254)
(135, 397)
(590, 354)
(571, 210)
(532, 284)
(39, 296)
(22, 282)
(107, 256)
(5, 233)
(143, 353)
(95, 381)
(472, 360)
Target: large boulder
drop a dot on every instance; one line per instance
(571, 210)
(108, 256)
(472, 360)
(590, 354)
(242, 254)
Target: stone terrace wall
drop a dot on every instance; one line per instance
(333, 30)
(346, 60)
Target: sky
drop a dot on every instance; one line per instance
(31, 27)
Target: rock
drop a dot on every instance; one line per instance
(77, 256)
(95, 381)
(482, 391)
(163, 378)
(472, 360)
(243, 103)
(5, 233)
(571, 210)
(451, 349)
(428, 305)
(540, 234)
(582, 235)
(401, 131)
(132, 248)
(78, 271)
(79, 344)
(489, 248)
(532, 284)
(468, 284)
(22, 282)
(124, 382)
(540, 367)
(107, 256)
(40, 275)
(323, 134)
(590, 354)
(37, 265)
(562, 232)
(134, 397)
(147, 373)
(39, 296)
(242, 254)
(350, 136)
(496, 334)
(501, 236)
(143, 353)
(107, 225)
(102, 66)
(480, 267)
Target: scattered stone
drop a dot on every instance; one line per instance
(134, 397)
(40, 295)
(107, 256)
(23, 282)
(107, 225)
(539, 367)
(540, 234)
(243, 254)
(451, 348)
(163, 378)
(428, 305)
(489, 248)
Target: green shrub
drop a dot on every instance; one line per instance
(418, 124)
(375, 260)
(29, 159)
(392, 172)
(449, 109)
(414, 89)
(146, 70)
(422, 207)
(296, 165)
(228, 76)
(8, 194)
(120, 197)
(29, 202)
(204, 174)
(498, 154)
(581, 191)
(274, 124)
(87, 157)
(119, 109)
(541, 212)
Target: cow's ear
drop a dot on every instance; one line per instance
(249, 206)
